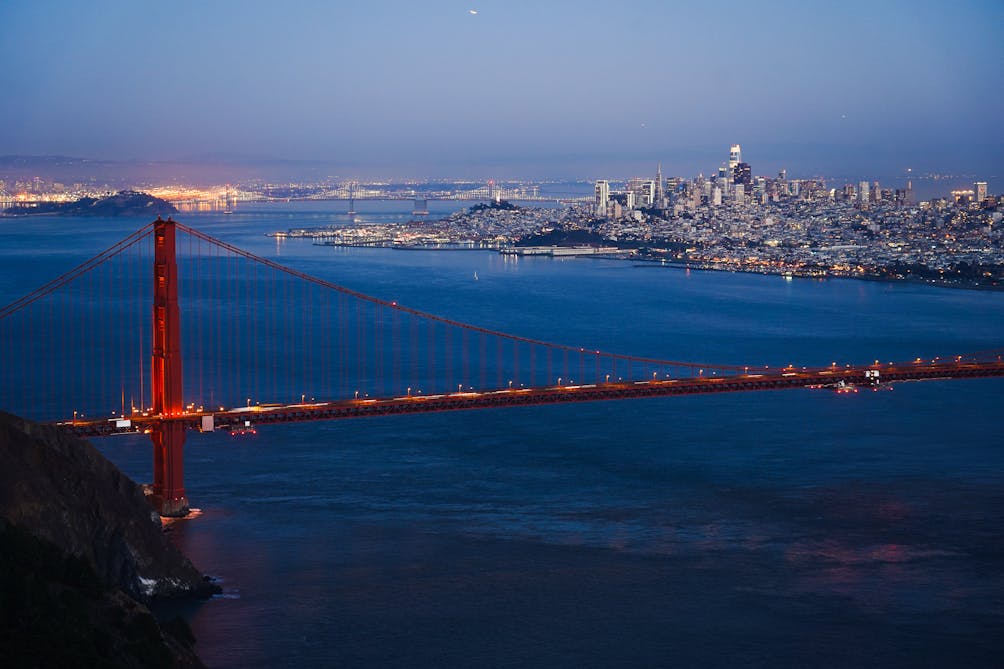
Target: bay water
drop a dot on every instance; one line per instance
(785, 528)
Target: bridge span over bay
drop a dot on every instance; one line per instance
(171, 329)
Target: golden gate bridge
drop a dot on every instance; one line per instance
(104, 349)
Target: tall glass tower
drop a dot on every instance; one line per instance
(735, 157)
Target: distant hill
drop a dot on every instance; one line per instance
(501, 205)
(123, 203)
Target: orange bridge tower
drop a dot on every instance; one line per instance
(168, 434)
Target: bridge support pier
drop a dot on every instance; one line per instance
(168, 495)
(168, 435)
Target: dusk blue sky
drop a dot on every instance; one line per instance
(559, 88)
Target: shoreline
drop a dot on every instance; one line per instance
(643, 263)
(651, 263)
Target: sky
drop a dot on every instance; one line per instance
(511, 88)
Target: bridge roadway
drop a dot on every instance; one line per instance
(837, 378)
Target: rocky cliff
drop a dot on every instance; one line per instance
(81, 552)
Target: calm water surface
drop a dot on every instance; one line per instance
(796, 528)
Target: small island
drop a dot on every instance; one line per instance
(123, 203)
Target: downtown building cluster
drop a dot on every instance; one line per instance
(734, 183)
(736, 221)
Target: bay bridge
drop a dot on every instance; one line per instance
(215, 338)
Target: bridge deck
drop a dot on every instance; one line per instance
(235, 418)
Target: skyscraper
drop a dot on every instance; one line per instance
(735, 157)
(742, 174)
(602, 193)
(644, 191)
(980, 191)
(659, 200)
